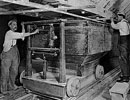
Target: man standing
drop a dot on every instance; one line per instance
(10, 56)
(124, 46)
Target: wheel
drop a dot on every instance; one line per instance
(99, 72)
(23, 75)
(73, 86)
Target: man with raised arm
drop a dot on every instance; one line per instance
(10, 56)
(124, 46)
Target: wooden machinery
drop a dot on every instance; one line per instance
(70, 51)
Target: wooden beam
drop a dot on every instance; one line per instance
(25, 3)
(28, 68)
(62, 67)
(53, 10)
(42, 8)
(76, 3)
(23, 11)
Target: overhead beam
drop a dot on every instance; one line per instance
(76, 3)
(86, 7)
(23, 11)
(89, 9)
(53, 10)
(25, 3)
(41, 8)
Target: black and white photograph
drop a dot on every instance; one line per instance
(64, 49)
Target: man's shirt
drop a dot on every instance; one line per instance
(122, 26)
(11, 39)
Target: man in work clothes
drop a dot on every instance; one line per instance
(124, 46)
(10, 57)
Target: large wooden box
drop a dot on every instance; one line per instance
(82, 38)
(119, 91)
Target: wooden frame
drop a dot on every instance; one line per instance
(73, 50)
(62, 68)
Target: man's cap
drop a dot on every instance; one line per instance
(10, 22)
(121, 13)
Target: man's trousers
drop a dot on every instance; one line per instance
(124, 49)
(9, 69)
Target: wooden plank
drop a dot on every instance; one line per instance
(99, 39)
(44, 87)
(44, 97)
(62, 70)
(95, 40)
(44, 68)
(119, 91)
(28, 69)
(76, 42)
(84, 40)
(26, 97)
(24, 3)
(42, 9)
(44, 49)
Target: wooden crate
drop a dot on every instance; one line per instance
(119, 91)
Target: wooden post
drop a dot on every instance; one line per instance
(44, 66)
(28, 69)
(62, 67)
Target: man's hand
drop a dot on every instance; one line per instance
(22, 23)
(36, 31)
(112, 19)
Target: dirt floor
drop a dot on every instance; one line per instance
(13, 95)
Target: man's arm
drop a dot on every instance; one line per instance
(17, 35)
(28, 34)
(115, 26)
